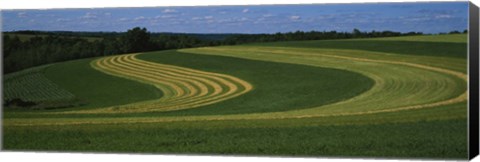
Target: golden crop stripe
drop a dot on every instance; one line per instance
(185, 86)
(139, 75)
(98, 65)
(442, 70)
(183, 72)
(234, 79)
(457, 99)
(202, 84)
(233, 86)
(207, 100)
(175, 79)
(191, 90)
(107, 64)
(143, 79)
(311, 57)
(232, 90)
(198, 80)
(154, 78)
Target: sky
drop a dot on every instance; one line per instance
(402, 17)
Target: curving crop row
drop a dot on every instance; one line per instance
(399, 85)
(183, 88)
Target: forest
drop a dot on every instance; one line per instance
(49, 47)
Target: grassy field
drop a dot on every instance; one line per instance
(208, 138)
(441, 45)
(387, 97)
(33, 86)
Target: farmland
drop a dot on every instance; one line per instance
(388, 97)
(32, 86)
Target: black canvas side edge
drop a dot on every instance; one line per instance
(1, 84)
(473, 112)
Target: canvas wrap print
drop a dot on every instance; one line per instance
(381, 80)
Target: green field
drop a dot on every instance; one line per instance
(387, 97)
(33, 86)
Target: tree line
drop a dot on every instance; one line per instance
(50, 48)
(53, 47)
(312, 35)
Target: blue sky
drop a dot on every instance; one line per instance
(403, 17)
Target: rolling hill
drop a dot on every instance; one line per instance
(388, 97)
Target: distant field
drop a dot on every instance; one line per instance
(387, 97)
(449, 38)
(441, 45)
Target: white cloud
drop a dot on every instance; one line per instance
(208, 17)
(196, 18)
(123, 19)
(62, 20)
(322, 17)
(139, 18)
(419, 19)
(443, 16)
(175, 22)
(259, 20)
(169, 10)
(164, 16)
(295, 17)
(245, 10)
(22, 14)
(210, 21)
(267, 15)
(89, 15)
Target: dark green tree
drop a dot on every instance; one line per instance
(454, 32)
(136, 40)
(357, 33)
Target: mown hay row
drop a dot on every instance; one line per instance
(183, 88)
(398, 85)
(225, 80)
